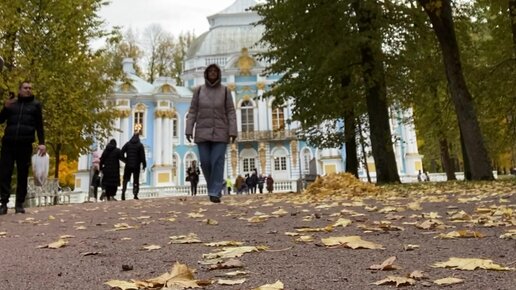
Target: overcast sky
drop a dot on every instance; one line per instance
(175, 16)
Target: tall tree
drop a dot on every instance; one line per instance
(440, 15)
(313, 47)
(368, 15)
(48, 42)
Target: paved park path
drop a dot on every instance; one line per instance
(325, 238)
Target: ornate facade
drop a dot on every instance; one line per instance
(266, 140)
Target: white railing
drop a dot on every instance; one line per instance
(434, 177)
(178, 190)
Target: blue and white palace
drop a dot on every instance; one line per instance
(266, 140)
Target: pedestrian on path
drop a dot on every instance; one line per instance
(192, 175)
(133, 154)
(213, 115)
(24, 118)
(110, 167)
(270, 183)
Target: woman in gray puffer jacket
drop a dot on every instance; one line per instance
(213, 113)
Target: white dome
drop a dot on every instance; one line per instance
(230, 30)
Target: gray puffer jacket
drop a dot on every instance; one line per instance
(212, 112)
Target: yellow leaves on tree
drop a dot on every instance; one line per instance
(67, 171)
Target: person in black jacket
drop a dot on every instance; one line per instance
(24, 117)
(133, 154)
(110, 167)
(192, 175)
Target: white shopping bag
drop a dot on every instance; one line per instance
(40, 166)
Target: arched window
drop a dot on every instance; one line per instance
(247, 112)
(249, 159)
(175, 126)
(174, 167)
(280, 160)
(139, 118)
(278, 119)
(305, 157)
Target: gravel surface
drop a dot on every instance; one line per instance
(490, 210)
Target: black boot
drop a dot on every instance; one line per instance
(3, 209)
(123, 196)
(19, 208)
(136, 196)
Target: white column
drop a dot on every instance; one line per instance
(83, 162)
(167, 141)
(157, 140)
(116, 134)
(126, 131)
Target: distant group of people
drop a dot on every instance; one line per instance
(249, 185)
(132, 154)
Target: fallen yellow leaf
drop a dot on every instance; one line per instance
(224, 244)
(231, 282)
(353, 242)
(152, 247)
(276, 286)
(386, 265)
(470, 264)
(191, 238)
(399, 281)
(123, 285)
(461, 234)
(448, 281)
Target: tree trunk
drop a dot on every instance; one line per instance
(512, 17)
(440, 15)
(445, 159)
(351, 143)
(465, 158)
(376, 94)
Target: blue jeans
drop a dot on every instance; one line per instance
(212, 164)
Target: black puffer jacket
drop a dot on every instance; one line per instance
(24, 117)
(110, 165)
(133, 153)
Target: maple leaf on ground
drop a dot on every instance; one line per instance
(124, 285)
(55, 245)
(353, 242)
(305, 239)
(191, 238)
(231, 282)
(224, 244)
(180, 277)
(232, 252)
(152, 247)
(461, 234)
(342, 222)
(470, 264)
(276, 286)
(448, 281)
(399, 281)
(229, 264)
(386, 265)
(510, 234)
